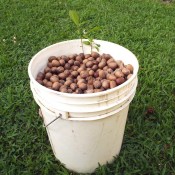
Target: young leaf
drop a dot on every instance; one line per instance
(98, 45)
(74, 16)
(97, 48)
(90, 40)
(94, 29)
(86, 42)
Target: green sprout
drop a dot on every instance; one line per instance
(84, 33)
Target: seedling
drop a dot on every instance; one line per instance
(84, 33)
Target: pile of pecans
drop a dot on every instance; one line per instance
(84, 73)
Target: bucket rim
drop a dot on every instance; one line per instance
(81, 95)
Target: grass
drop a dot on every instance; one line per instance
(145, 27)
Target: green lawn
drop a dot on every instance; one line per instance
(146, 27)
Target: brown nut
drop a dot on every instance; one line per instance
(79, 91)
(84, 74)
(82, 55)
(69, 91)
(48, 75)
(63, 90)
(91, 72)
(90, 86)
(40, 76)
(74, 73)
(111, 77)
(62, 62)
(45, 82)
(80, 69)
(54, 78)
(120, 64)
(81, 81)
(49, 64)
(67, 73)
(88, 91)
(130, 67)
(113, 65)
(63, 87)
(102, 64)
(99, 59)
(109, 70)
(40, 81)
(110, 60)
(126, 71)
(91, 59)
(60, 69)
(87, 56)
(62, 82)
(96, 74)
(67, 66)
(47, 69)
(85, 61)
(75, 68)
(77, 63)
(51, 58)
(65, 58)
(95, 54)
(113, 84)
(118, 73)
(105, 84)
(78, 77)
(105, 68)
(56, 86)
(95, 62)
(54, 70)
(89, 64)
(79, 58)
(90, 80)
(82, 86)
(73, 86)
(69, 78)
(106, 56)
(49, 84)
(94, 67)
(120, 80)
(102, 74)
(71, 62)
(75, 80)
(72, 57)
(62, 76)
(97, 84)
(55, 63)
(129, 76)
(68, 82)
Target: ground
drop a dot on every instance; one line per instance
(144, 27)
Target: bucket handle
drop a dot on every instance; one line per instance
(45, 126)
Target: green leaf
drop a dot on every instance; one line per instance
(97, 28)
(90, 40)
(74, 16)
(98, 45)
(97, 48)
(86, 43)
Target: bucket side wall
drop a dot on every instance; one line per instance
(82, 145)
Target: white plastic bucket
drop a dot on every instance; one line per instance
(84, 129)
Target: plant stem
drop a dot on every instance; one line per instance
(82, 44)
(91, 48)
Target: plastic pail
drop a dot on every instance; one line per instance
(84, 129)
